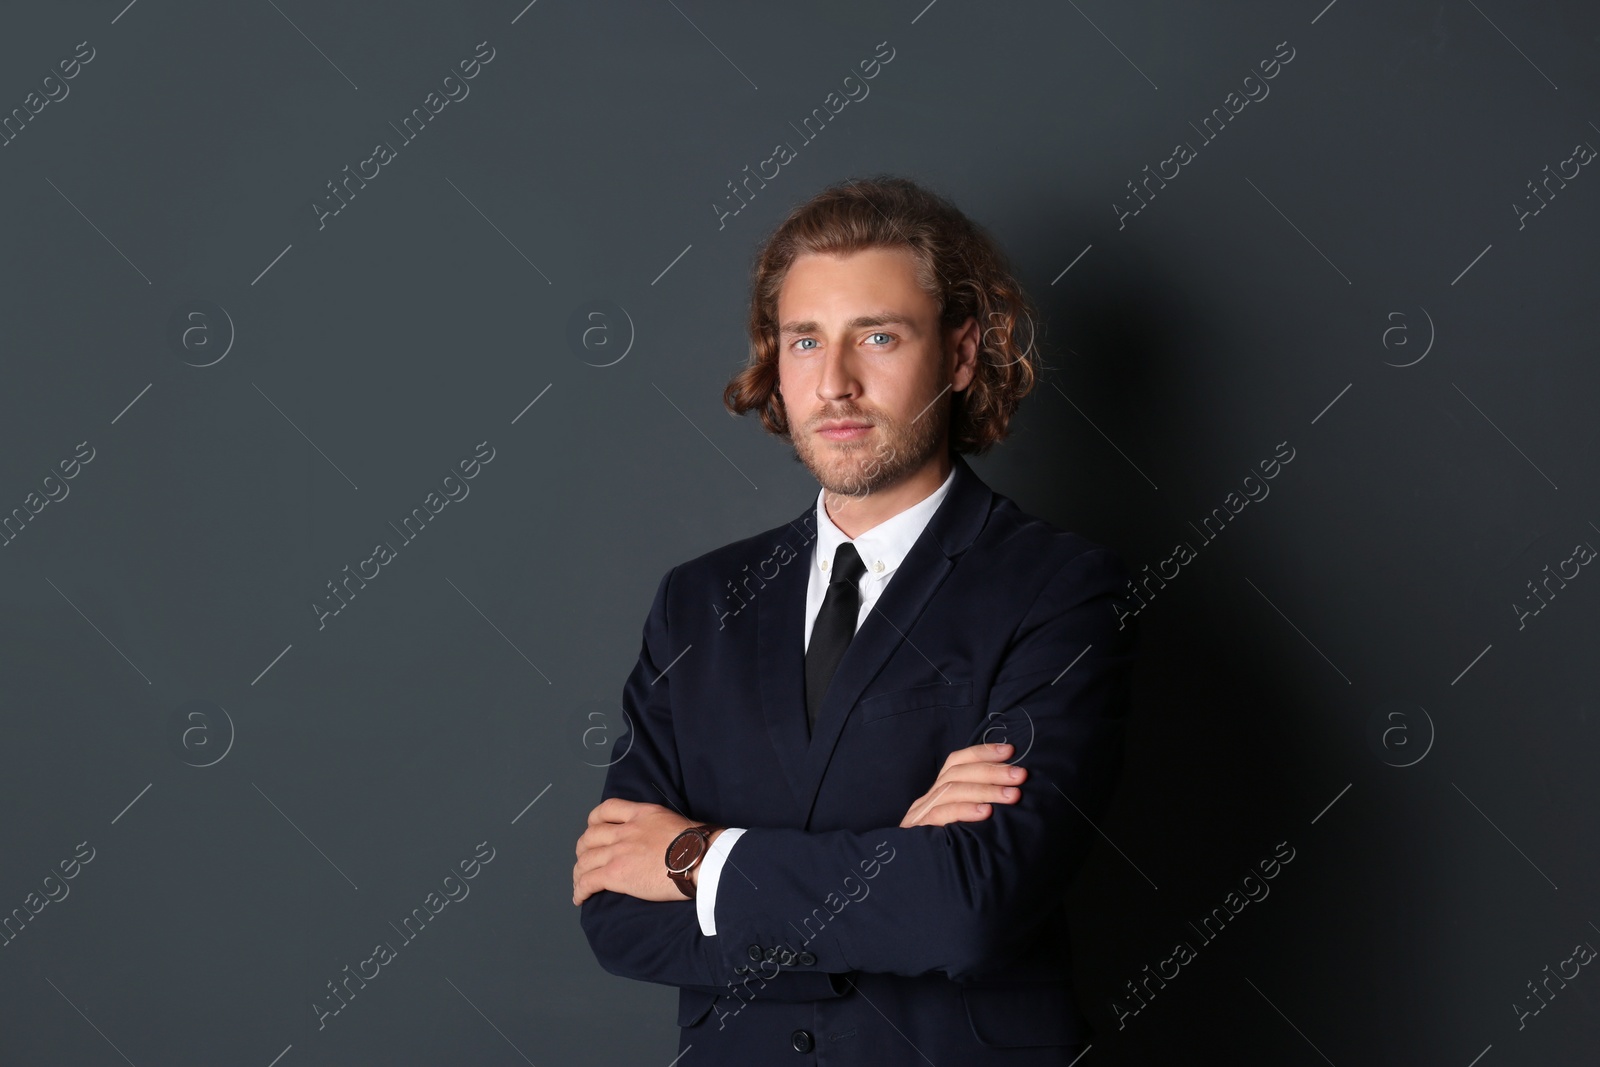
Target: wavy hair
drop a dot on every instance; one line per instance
(958, 264)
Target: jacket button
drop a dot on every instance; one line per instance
(741, 969)
(772, 953)
(801, 1040)
(807, 959)
(755, 953)
(786, 957)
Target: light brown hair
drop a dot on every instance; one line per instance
(958, 264)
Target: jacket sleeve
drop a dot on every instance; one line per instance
(660, 941)
(961, 899)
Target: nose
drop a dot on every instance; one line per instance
(837, 380)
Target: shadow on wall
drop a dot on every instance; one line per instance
(1213, 776)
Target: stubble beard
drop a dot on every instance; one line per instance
(852, 470)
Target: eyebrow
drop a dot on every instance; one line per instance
(882, 318)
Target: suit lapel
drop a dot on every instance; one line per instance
(780, 652)
(781, 626)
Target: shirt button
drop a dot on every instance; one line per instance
(878, 566)
(801, 1040)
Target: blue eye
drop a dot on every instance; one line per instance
(805, 341)
(886, 338)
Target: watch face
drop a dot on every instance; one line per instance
(684, 850)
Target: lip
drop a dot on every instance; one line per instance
(843, 430)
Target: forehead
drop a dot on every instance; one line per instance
(825, 286)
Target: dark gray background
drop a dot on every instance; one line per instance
(1247, 305)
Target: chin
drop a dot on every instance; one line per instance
(850, 479)
(847, 468)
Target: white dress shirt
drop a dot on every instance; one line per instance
(881, 548)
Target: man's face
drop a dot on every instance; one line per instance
(864, 369)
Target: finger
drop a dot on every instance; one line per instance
(591, 860)
(978, 754)
(958, 793)
(944, 814)
(990, 773)
(976, 793)
(618, 810)
(925, 802)
(914, 814)
(582, 889)
(614, 809)
(602, 834)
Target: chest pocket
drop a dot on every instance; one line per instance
(918, 697)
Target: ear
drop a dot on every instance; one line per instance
(962, 354)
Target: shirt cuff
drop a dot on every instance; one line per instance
(705, 893)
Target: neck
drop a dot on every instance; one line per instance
(855, 515)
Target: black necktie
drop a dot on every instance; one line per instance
(835, 625)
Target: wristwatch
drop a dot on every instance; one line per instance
(685, 853)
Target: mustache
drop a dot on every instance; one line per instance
(830, 416)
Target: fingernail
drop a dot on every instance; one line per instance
(1008, 792)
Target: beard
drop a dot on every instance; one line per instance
(886, 455)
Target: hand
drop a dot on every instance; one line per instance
(971, 780)
(624, 850)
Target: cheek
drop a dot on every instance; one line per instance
(797, 378)
(910, 385)
(786, 386)
(792, 399)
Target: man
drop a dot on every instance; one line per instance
(818, 829)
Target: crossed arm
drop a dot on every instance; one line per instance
(973, 871)
(623, 846)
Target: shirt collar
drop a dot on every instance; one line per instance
(886, 544)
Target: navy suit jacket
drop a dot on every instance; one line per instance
(839, 933)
